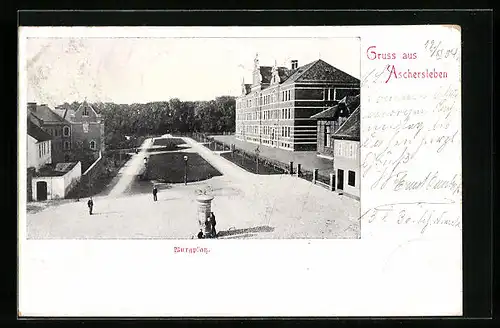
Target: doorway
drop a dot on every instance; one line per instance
(340, 179)
(41, 190)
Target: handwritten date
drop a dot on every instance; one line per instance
(438, 51)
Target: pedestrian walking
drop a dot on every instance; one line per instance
(155, 192)
(213, 223)
(90, 204)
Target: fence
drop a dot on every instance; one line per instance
(91, 181)
(253, 162)
(199, 136)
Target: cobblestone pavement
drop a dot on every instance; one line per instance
(246, 206)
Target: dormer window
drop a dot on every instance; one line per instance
(92, 145)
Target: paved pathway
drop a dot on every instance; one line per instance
(223, 165)
(131, 169)
(246, 205)
(308, 159)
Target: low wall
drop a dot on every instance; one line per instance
(72, 178)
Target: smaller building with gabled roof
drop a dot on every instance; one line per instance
(346, 159)
(330, 120)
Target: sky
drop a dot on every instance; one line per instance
(140, 70)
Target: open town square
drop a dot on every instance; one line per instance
(247, 205)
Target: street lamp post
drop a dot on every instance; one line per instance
(185, 169)
(145, 167)
(257, 152)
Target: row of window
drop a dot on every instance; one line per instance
(260, 100)
(67, 145)
(346, 150)
(282, 131)
(286, 95)
(43, 149)
(65, 131)
(281, 144)
(272, 114)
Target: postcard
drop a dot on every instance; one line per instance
(240, 171)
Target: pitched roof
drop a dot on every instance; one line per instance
(36, 132)
(328, 113)
(85, 103)
(266, 73)
(56, 170)
(297, 73)
(36, 120)
(284, 73)
(61, 111)
(349, 102)
(352, 102)
(44, 113)
(320, 70)
(65, 112)
(350, 130)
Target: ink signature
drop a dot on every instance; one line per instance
(421, 213)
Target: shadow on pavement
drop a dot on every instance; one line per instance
(247, 235)
(253, 230)
(104, 213)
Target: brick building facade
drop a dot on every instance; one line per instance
(275, 109)
(70, 129)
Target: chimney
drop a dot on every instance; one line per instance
(295, 64)
(32, 106)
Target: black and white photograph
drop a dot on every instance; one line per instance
(153, 158)
(192, 138)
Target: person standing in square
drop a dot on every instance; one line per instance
(155, 192)
(213, 223)
(90, 204)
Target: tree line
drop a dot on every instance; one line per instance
(153, 118)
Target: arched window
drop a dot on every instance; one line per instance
(66, 145)
(66, 131)
(92, 145)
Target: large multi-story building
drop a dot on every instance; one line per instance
(275, 109)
